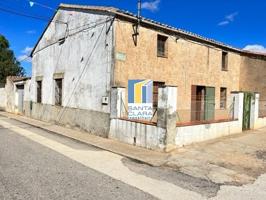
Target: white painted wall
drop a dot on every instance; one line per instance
(256, 121)
(147, 136)
(198, 133)
(27, 90)
(85, 58)
(260, 123)
(2, 98)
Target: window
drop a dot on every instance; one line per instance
(58, 92)
(156, 86)
(161, 46)
(39, 91)
(224, 61)
(223, 92)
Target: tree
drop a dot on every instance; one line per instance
(9, 66)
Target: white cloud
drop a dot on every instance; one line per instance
(231, 17)
(228, 19)
(223, 23)
(151, 5)
(25, 57)
(255, 48)
(31, 32)
(27, 50)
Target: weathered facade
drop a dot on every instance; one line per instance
(87, 52)
(2, 98)
(17, 91)
(187, 63)
(82, 60)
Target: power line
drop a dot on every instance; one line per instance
(32, 3)
(10, 11)
(27, 58)
(95, 24)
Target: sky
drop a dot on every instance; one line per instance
(240, 23)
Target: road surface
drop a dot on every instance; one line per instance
(35, 164)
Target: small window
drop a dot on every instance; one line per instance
(58, 92)
(223, 97)
(162, 46)
(224, 61)
(39, 91)
(156, 86)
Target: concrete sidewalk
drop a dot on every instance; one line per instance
(233, 160)
(146, 156)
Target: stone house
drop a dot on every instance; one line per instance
(86, 55)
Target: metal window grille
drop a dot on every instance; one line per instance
(58, 91)
(39, 91)
(223, 97)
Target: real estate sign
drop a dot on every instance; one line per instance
(140, 99)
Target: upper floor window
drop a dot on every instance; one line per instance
(162, 46)
(224, 61)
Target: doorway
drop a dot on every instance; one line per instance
(202, 103)
(20, 95)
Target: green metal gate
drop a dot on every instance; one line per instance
(246, 110)
(209, 103)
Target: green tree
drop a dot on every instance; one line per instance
(9, 66)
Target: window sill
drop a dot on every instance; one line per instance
(160, 56)
(223, 109)
(57, 105)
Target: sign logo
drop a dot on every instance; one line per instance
(140, 99)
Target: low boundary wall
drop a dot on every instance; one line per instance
(260, 122)
(94, 122)
(139, 134)
(198, 133)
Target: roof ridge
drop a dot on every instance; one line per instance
(132, 16)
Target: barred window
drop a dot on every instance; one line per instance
(223, 98)
(58, 92)
(39, 91)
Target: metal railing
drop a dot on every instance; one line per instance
(205, 111)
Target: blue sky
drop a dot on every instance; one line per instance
(240, 23)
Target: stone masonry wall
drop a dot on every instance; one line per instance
(188, 63)
(253, 76)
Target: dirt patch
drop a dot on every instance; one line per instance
(204, 187)
(261, 155)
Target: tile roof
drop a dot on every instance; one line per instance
(180, 32)
(17, 78)
(127, 14)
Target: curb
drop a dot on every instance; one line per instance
(86, 143)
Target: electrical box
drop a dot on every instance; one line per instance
(105, 100)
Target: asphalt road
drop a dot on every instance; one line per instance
(36, 164)
(29, 170)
